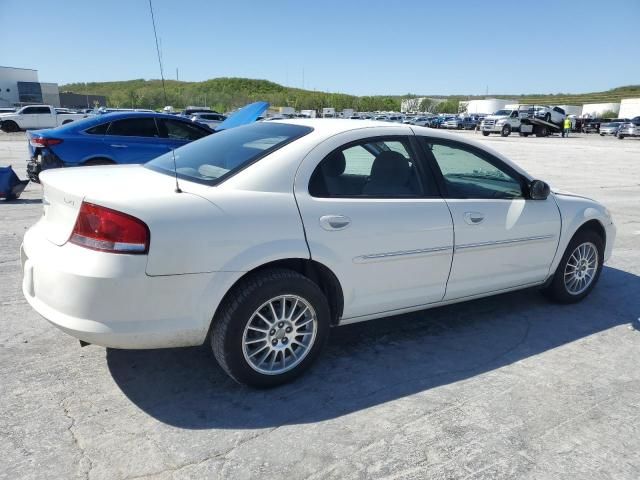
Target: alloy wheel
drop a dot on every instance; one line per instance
(279, 334)
(581, 268)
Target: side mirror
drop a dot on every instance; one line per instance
(539, 190)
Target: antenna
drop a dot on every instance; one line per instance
(153, 21)
(175, 170)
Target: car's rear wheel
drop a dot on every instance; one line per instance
(579, 269)
(270, 328)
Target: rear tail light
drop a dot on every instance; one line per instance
(40, 142)
(100, 228)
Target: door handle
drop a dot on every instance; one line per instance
(334, 222)
(473, 218)
(118, 146)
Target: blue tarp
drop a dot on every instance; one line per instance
(10, 185)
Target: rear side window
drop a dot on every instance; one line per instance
(134, 127)
(222, 154)
(98, 129)
(375, 167)
(178, 130)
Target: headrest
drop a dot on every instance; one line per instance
(391, 166)
(334, 165)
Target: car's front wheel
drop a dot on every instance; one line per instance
(579, 269)
(270, 328)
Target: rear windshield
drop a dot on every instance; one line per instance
(217, 156)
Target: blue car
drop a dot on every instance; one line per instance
(120, 138)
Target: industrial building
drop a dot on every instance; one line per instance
(485, 106)
(20, 86)
(629, 108)
(595, 110)
(413, 104)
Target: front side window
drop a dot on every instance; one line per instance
(178, 130)
(29, 111)
(134, 127)
(468, 175)
(369, 168)
(219, 155)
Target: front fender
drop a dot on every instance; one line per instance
(575, 211)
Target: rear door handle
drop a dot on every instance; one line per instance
(118, 146)
(473, 218)
(334, 222)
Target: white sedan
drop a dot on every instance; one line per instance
(260, 238)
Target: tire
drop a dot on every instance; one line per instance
(620, 137)
(98, 161)
(558, 290)
(10, 126)
(506, 131)
(486, 134)
(249, 303)
(541, 131)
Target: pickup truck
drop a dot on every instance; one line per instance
(502, 122)
(36, 117)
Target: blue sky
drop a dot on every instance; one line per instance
(360, 47)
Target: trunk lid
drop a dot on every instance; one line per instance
(121, 187)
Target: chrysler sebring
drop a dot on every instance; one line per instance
(261, 238)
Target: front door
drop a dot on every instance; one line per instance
(502, 238)
(373, 216)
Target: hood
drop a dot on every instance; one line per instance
(247, 114)
(495, 117)
(568, 194)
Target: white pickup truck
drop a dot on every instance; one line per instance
(35, 117)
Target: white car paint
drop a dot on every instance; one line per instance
(394, 256)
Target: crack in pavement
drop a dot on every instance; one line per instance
(83, 455)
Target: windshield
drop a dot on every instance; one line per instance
(217, 156)
(503, 112)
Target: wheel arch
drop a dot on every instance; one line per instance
(595, 226)
(315, 271)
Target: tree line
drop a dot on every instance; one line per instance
(225, 94)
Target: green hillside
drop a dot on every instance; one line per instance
(224, 94)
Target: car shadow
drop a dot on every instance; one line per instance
(374, 362)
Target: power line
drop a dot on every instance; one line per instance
(153, 21)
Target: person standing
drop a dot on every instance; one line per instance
(567, 127)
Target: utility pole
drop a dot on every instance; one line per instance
(177, 79)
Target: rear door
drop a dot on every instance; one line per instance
(177, 133)
(134, 140)
(373, 215)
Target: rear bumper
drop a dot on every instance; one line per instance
(107, 299)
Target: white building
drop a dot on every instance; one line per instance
(409, 105)
(629, 108)
(595, 110)
(20, 86)
(486, 106)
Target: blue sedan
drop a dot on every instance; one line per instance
(113, 138)
(120, 138)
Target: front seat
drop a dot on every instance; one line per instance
(389, 175)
